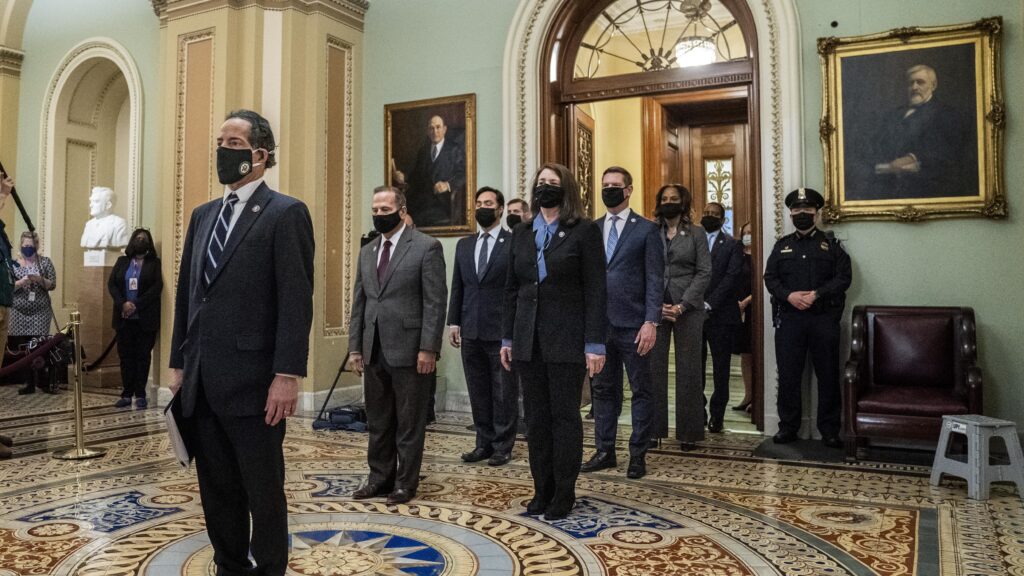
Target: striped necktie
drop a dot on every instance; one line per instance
(219, 238)
(613, 238)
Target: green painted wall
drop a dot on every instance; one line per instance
(970, 262)
(53, 28)
(417, 50)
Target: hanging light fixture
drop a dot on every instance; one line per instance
(695, 51)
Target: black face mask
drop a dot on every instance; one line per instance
(612, 196)
(138, 248)
(513, 219)
(385, 223)
(486, 216)
(803, 221)
(711, 223)
(669, 211)
(233, 164)
(549, 196)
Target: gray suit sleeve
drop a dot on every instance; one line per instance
(435, 292)
(355, 323)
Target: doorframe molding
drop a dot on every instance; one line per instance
(779, 98)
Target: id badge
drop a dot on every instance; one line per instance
(32, 296)
(133, 283)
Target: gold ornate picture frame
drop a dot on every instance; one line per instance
(912, 123)
(430, 154)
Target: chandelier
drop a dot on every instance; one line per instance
(650, 35)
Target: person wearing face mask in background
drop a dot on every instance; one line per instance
(723, 311)
(554, 327)
(398, 312)
(474, 319)
(135, 284)
(242, 315)
(635, 261)
(518, 211)
(741, 343)
(807, 275)
(31, 312)
(687, 273)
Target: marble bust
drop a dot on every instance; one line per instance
(104, 230)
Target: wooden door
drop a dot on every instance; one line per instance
(581, 155)
(718, 172)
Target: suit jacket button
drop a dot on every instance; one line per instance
(205, 299)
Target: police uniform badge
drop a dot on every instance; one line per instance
(824, 246)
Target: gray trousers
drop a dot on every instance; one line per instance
(687, 332)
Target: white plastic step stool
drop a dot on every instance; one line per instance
(978, 472)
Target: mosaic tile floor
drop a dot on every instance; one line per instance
(717, 511)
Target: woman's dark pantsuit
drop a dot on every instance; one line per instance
(686, 331)
(135, 347)
(551, 396)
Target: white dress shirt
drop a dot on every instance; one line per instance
(619, 224)
(244, 194)
(493, 233)
(394, 242)
(435, 150)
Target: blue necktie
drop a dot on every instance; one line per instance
(219, 238)
(613, 239)
(541, 239)
(481, 262)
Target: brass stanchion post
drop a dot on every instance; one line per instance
(79, 452)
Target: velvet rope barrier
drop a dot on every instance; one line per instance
(26, 360)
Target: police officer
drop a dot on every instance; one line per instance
(807, 275)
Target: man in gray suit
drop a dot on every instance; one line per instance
(242, 315)
(397, 321)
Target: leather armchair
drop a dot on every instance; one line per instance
(908, 367)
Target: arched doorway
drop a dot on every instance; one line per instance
(778, 96)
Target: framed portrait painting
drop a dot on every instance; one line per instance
(430, 155)
(912, 123)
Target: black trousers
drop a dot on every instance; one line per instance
(135, 347)
(551, 397)
(796, 335)
(396, 415)
(493, 395)
(607, 393)
(240, 465)
(718, 337)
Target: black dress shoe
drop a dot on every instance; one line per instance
(637, 467)
(477, 455)
(537, 505)
(715, 425)
(471, 427)
(27, 389)
(499, 459)
(832, 441)
(400, 496)
(6, 441)
(368, 490)
(687, 446)
(599, 461)
(653, 443)
(742, 405)
(558, 510)
(784, 437)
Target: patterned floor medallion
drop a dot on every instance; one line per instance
(715, 511)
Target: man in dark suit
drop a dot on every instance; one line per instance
(635, 258)
(722, 308)
(474, 318)
(395, 337)
(243, 311)
(436, 189)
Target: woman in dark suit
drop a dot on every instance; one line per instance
(135, 284)
(554, 326)
(687, 273)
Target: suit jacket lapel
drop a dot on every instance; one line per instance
(497, 252)
(559, 237)
(396, 257)
(253, 209)
(370, 266)
(627, 227)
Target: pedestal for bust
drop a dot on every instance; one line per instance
(96, 305)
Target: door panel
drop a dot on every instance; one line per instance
(581, 156)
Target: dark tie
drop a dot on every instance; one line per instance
(219, 238)
(481, 261)
(385, 258)
(433, 152)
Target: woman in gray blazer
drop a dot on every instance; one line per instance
(687, 273)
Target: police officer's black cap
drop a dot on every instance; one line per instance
(805, 198)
